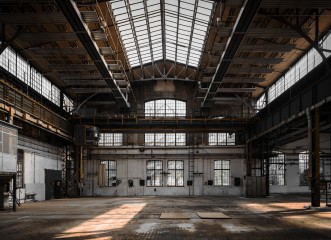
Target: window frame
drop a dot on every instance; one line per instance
(154, 173)
(277, 170)
(111, 173)
(110, 140)
(165, 108)
(168, 139)
(222, 170)
(221, 139)
(303, 168)
(177, 181)
(20, 169)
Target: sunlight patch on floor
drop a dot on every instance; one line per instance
(102, 224)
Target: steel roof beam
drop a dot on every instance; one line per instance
(85, 83)
(246, 16)
(271, 47)
(257, 60)
(242, 80)
(81, 76)
(32, 18)
(257, 70)
(296, 4)
(91, 90)
(48, 36)
(58, 51)
(236, 90)
(72, 67)
(71, 12)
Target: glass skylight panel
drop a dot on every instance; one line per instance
(141, 31)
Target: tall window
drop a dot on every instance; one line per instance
(110, 175)
(222, 172)
(176, 173)
(303, 168)
(19, 67)
(20, 169)
(225, 139)
(165, 108)
(277, 170)
(165, 139)
(111, 139)
(154, 173)
(307, 63)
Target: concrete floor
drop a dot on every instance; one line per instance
(276, 217)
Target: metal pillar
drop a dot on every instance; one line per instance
(2, 196)
(191, 159)
(78, 169)
(267, 174)
(14, 193)
(249, 147)
(315, 163)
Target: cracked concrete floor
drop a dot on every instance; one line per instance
(276, 217)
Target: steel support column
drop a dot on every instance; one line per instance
(249, 149)
(14, 193)
(78, 169)
(315, 161)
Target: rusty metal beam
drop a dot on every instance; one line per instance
(245, 18)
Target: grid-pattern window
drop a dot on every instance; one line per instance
(277, 170)
(165, 139)
(68, 104)
(47, 89)
(261, 102)
(154, 175)
(111, 139)
(23, 69)
(303, 168)
(16, 65)
(176, 173)
(55, 95)
(307, 63)
(111, 169)
(20, 169)
(185, 27)
(8, 60)
(222, 172)
(36, 80)
(225, 139)
(165, 108)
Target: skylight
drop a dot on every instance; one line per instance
(142, 27)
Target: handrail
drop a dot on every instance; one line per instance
(15, 98)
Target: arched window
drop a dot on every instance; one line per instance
(165, 108)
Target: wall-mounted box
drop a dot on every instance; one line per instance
(86, 135)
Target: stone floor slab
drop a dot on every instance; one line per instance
(174, 216)
(212, 215)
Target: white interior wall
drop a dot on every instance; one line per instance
(38, 156)
(132, 165)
